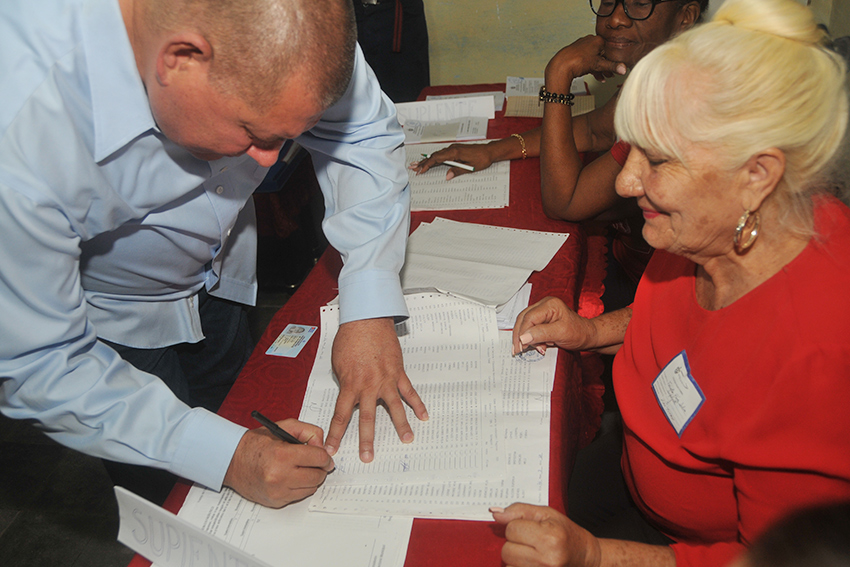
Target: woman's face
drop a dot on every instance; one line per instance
(692, 211)
(628, 41)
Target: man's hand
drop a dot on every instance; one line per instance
(266, 470)
(540, 536)
(367, 362)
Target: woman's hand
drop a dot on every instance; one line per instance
(476, 155)
(583, 56)
(542, 537)
(550, 322)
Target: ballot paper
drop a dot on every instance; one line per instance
(449, 349)
(293, 536)
(443, 110)
(498, 97)
(526, 388)
(430, 191)
(460, 130)
(487, 264)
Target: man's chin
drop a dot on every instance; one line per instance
(206, 156)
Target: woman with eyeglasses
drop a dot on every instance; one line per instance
(732, 368)
(626, 30)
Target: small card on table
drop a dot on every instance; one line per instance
(291, 340)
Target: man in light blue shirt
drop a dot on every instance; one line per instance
(132, 135)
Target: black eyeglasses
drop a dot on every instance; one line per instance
(635, 9)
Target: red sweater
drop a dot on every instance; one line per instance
(773, 432)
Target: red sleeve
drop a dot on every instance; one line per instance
(620, 152)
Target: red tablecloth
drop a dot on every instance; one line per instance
(275, 385)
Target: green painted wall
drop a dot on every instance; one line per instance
(484, 41)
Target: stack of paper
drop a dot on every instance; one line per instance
(446, 119)
(487, 264)
(486, 442)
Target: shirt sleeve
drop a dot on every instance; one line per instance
(55, 372)
(358, 154)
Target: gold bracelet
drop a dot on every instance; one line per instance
(521, 143)
(546, 96)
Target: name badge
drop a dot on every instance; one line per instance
(677, 393)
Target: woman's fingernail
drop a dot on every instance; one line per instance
(496, 510)
(525, 338)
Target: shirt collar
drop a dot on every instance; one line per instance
(120, 107)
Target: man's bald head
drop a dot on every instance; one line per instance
(258, 45)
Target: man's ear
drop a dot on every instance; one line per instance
(184, 52)
(764, 171)
(688, 16)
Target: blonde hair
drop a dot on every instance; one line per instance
(259, 44)
(757, 76)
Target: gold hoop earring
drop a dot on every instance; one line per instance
(749, 222)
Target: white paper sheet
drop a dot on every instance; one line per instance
(488, 264)
(293, 536)
(444, 110)
(498, 97)
(449, 356)
(429, 191)
(461, 130)
(526, 413)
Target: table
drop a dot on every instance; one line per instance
(276, 385)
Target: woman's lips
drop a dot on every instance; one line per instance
(618, 43)
(649, 214)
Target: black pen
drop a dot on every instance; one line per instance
(276, 430)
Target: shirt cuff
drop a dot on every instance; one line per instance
(370, 295)
(208, 446)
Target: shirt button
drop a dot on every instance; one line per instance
(223, 169)
(229, 230)
(219, 190)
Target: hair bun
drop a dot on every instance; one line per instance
(782, 18)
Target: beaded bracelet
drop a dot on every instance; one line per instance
(522, 144)
(546, 96)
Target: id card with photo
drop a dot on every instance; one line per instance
(291, 340)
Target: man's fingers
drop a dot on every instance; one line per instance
(367, 431)
(411, 397)
(339, 422)
(395, 407)
(304, 432)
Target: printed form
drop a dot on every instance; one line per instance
(449, 354)
(526, 386)
(293, 536)
(429, 191)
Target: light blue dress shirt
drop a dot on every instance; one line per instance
(109, 230)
